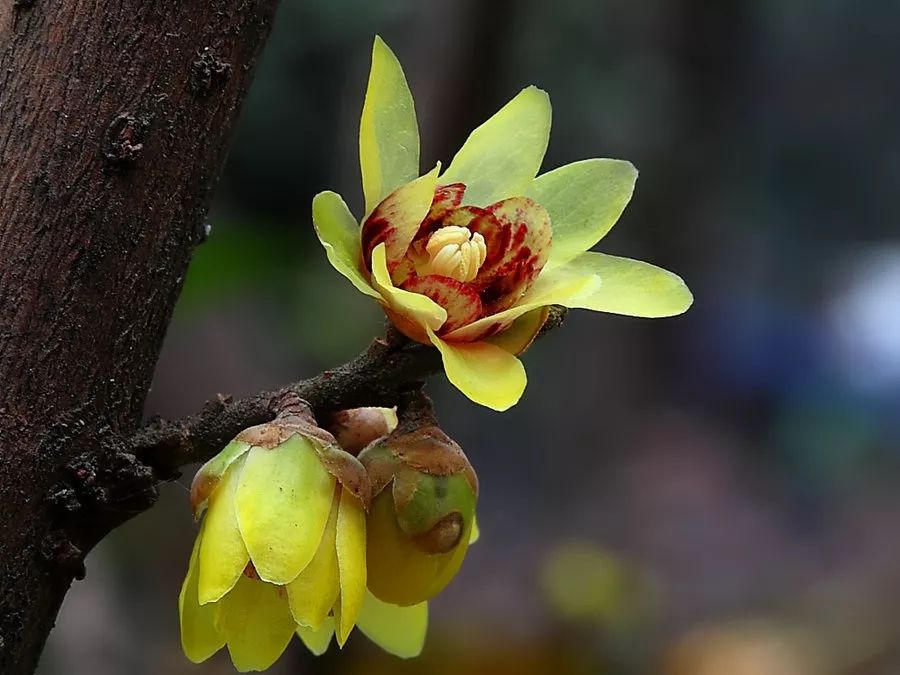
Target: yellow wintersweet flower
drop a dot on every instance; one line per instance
(469, 259)
(281, 549)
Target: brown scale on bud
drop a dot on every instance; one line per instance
(444, 536)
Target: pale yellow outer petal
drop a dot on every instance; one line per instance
(451, 566)
(475, 534)
(398, 630)
(399, 572)
(199, 637)
(256, 622)
(487, 374)
(522, 332)
(422, 310)
(595, 281)
(388, 133)
(338, 233)
(503, 155)
(315, 589)
(584, 199)
(210, 474)
(351, 554)
(318, 639)
(629, 287)
(555, 287)
(283, 501)
(223, 555)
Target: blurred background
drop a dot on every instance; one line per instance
(715, 494)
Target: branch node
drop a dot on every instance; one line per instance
(57, 549)
(288, 402)
(415, 409)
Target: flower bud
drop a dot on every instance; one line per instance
(354, 429)
(281, 548)
(422, 515)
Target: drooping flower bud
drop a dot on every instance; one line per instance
(423, 511)
(282, 546)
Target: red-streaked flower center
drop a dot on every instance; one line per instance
(473, 261)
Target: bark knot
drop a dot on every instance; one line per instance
(208, 70)
(108, 484)
(123, 143)
(59, 550)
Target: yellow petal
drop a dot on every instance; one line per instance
(351, 554)
(585, 199)
(503, 155)
(338, 233)
(199, 637)
(522, 332)
(223, 555)
(554, 287)
(629, 287)
(210, 475)
(315, 589)
(451, 565)
(399, 572)
(420, 309)
(318, 639)
(283, 501)
(256, 622)
(487, 374)
(475, 534)
(388, 133)
(398, 630)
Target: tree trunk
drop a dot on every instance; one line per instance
(115, 117)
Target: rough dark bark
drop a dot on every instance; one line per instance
(114, 122)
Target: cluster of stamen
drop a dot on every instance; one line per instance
(455, 252)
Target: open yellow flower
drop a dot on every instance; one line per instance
(282, 551)
(470, 259)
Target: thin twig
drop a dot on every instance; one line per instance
(377, 377)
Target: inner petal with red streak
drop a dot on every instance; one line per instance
(378, 228)
(525, 225)
(460, 299)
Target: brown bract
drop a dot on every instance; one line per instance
(424, 450)
(443, 536)
(430, 450)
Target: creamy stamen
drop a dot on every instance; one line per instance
(455, 252)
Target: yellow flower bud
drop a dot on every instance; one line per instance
(354, 429)
(422, 516)
(281, 547)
